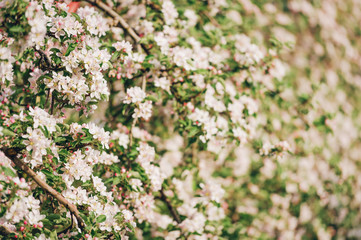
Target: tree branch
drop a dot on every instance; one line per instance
(4, 231)
(174, 212)
(123, 24)
(11, 154)
(67, 228)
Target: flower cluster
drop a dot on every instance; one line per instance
(180, 119)
(136, 95)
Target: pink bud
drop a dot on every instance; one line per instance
(22, 228)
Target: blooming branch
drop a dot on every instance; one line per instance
(119, 20)
(11, 154)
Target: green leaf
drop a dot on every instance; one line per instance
(9, 172)
(54, 50)
(101, 219)
(115, 56)
(7, 132)
(53, 235)
(53, 217)
(71, 47)
(47, 172)
(16, 29)
(151, 98)
(87, 140)
(76, 17)
(60, 139)
(193, 132)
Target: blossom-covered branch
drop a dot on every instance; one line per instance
(119, 20)
(180, 119)
(11, 154)
(4, 231)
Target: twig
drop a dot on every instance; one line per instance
(213, 21)
(45, 62)
(11, 154)
(144, 83)
(47, 98)
(174, 212)
(119, 20)
(131, 133)
(69, 227)
(4, 231)
(52, 104)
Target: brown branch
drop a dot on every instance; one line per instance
(211, 19)
(52, 104)
(131, 133)
(4, 231)
(67, 228)
(172, 210)
(123, 24)
(47, 98)
(11, 154)
(144, 83)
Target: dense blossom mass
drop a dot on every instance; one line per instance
(184, 119)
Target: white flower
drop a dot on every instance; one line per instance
(240, 134)
(44, 119)
(77, 167)
(134, 95)
(34, 217)
(99, 134)
(163, 83)
(123, 139)
(99, 185)
(128, 215)
(194, 224)
(17, 211)
(123, 46)
(6, 68)
(143, 111)
(213, 191)
(135, 183)
(169, 11)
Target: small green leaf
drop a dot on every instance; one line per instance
(71, 47)
(53, 216)
(9, 172)
(101, 219)
(77, 17)
(87, 140)
(151, 98)
(16, 29)
(193, 132)
(7, 132)
(53, 235)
